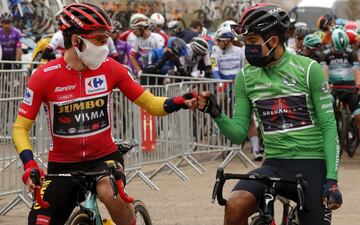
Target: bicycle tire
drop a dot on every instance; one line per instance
(342, 129)
(79, 218)
(141, 213)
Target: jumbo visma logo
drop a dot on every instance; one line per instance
(79, 106)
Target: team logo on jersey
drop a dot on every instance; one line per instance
(284, 113)
(28, 97)
(289, 80)
(95, 84)
(84, 116)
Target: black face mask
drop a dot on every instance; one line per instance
(255, 56)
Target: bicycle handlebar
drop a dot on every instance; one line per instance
(35, 178)
(221, 178)
(114, 176)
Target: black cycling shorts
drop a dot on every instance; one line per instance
(314, 172)
(62, 193)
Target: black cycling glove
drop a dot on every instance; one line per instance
(212, 107)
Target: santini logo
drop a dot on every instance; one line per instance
(95, 84)
(66, 88)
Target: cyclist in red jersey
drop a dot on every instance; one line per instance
(76, 91)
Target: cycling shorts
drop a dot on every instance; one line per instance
(314, 172)
(63, 193)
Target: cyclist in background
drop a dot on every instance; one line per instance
(294, 109)
(145, 41)
(312, 47)
(301, 30)
(175, 29)
(76, 90)
(10, 42)
(341, 67)
(158, 22)
(325, 24)
(198, 50)
(227, 60)
(122, 47)
(129, 35)
(193, 31)
(165, 60)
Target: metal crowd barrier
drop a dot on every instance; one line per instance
(178, 136)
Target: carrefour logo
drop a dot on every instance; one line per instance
(28, 96)
(95, 84)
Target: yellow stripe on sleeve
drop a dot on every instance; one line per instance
(21, 134)
(152, 104)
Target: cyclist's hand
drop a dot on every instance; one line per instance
(186, 101)
(332, 196)
(26, 177)
(207, 103)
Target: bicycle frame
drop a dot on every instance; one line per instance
(91, 205)
(266, 215)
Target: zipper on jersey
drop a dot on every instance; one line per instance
(82, 122)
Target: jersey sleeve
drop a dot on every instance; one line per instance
(322, 101)
(236, 128)
(215, 65)
(136, 93)
(33, 96)
(135, 48)
(207, 60)
(18, 39)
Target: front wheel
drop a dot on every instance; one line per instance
(141, 213)
(80, 218)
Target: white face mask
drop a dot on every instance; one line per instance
(93, 56)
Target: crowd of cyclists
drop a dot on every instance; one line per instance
(152, 45)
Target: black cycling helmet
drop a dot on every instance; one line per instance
(6, 17)
(117, 26)
(324, 21)
(84, 17)
(302, 31)
(262, 19)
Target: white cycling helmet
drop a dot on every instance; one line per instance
(199, 46)
(224, 33)
(227, 23)
(157, 19)
(174, 25)
(138, 19)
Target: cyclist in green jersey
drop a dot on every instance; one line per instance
(294, 107)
